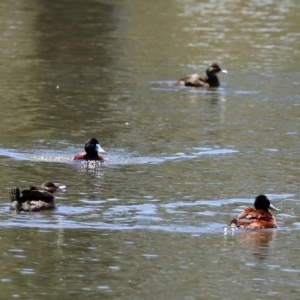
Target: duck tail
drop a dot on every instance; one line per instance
(15, 194)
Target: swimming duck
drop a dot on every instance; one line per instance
(196, 80)
(92, 149)
(258, 217)
(34, 199)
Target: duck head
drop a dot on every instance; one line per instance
(214, 68)
(93, 146)
(51, 187)
(263, 202)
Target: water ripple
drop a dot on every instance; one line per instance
(115, 157)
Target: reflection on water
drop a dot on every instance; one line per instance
(258, 242)
(256, 256)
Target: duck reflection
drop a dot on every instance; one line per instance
(213, 97)
(259, 241)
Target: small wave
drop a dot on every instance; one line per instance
(114, 158)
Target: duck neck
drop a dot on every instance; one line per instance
(92, 156)
(212, 79)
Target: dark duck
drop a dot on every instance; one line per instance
(211, 79)
(33, 198)
(258, 217)
(92, 148)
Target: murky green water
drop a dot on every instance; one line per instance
(182, 162)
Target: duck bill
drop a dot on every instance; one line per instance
(272, 207)
(61, 187)
(224, 71)
(99, 148)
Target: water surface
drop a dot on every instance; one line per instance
(182, 162)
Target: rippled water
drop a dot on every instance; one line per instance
(182, 162)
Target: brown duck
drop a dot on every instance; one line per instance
(209, 81)
(258, 217)
(92, 149)
(34, 199)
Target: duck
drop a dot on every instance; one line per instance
(33, 198)
(92, 148)
(200, 81)
(258, 217)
